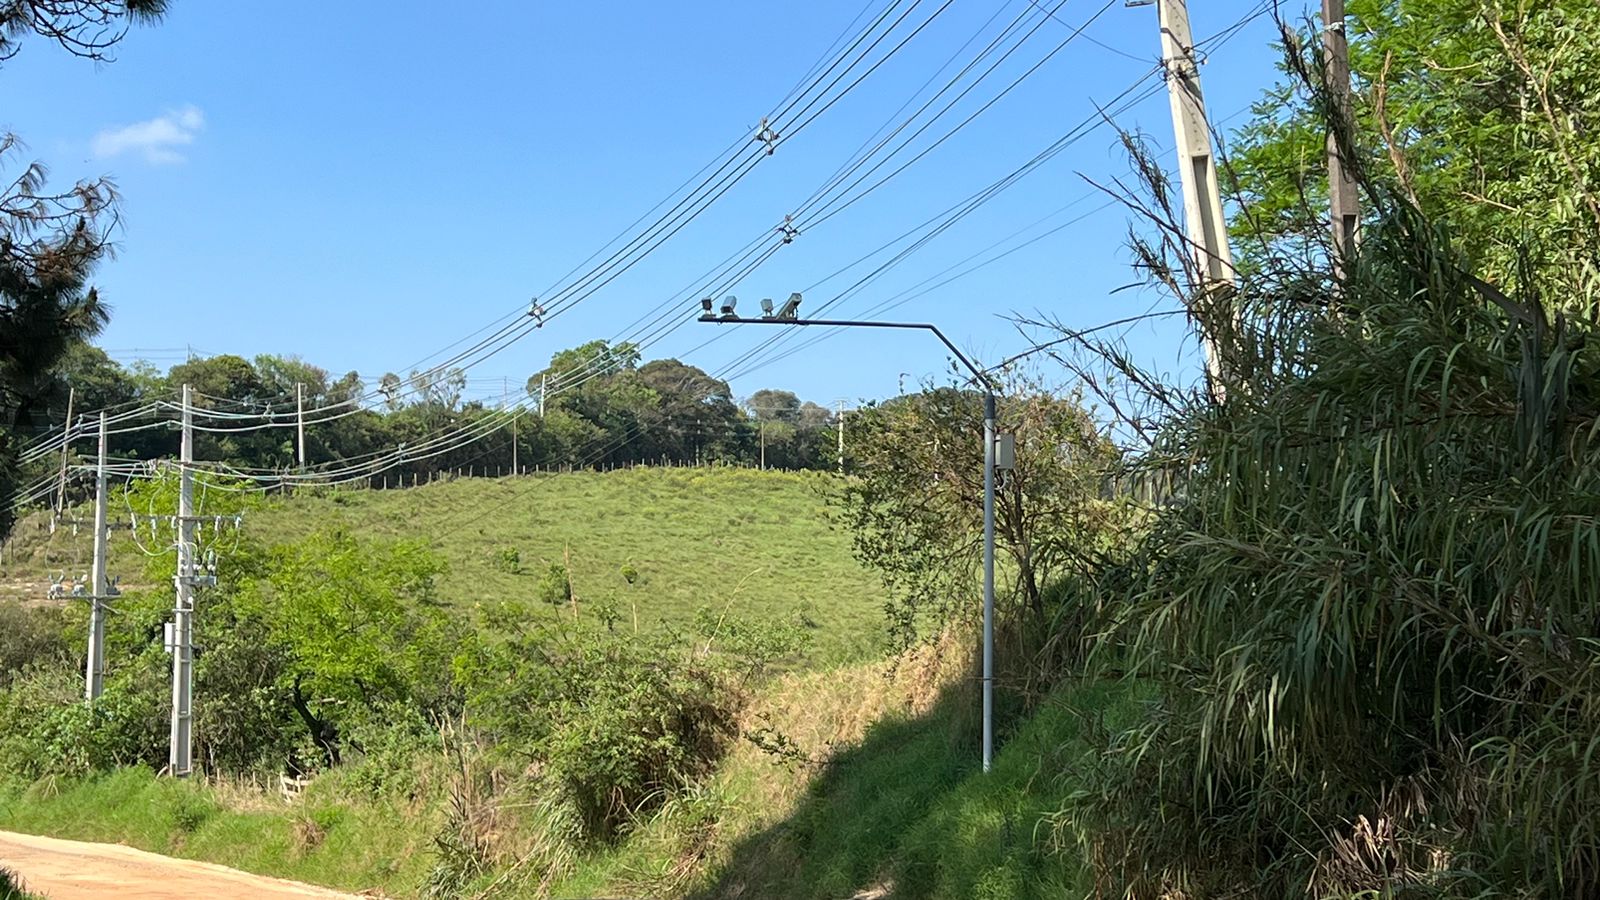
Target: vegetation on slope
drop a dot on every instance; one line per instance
(856, 778)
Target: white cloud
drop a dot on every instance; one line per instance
(157, 140)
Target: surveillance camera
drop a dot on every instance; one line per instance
(706, 303)
(728, 303)
(791, 307)
(766, 307)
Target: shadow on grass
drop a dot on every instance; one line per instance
(908, 813)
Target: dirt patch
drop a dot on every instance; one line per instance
(74, 870)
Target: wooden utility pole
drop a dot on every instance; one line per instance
(1206, 228)
(1343, 202)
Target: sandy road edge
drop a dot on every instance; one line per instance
(78, 858)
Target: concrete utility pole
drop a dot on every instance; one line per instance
(543, 381)
(180, 759)
(840, 417)
(506, 384)
(1344, 205)
(100, 585)
(300, 419)
(66, 446)
(1206, 229)
(763, 424)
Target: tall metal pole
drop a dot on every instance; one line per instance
(981, 377)
(300, 419)
(1207, 229)
(180, 761)
(988, 576)
(543, 381)
(100, 586)
(1344, 209)
(763, 425)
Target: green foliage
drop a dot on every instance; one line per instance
(389, 743)
(188, 810)
(508, 560)
(555, 585)
(915, 502)
(359, 629)
(908, 808)
(1371, 613)
(1481, 114)
(363, 844)
(11, 887)
(618, 722)
(29, 636)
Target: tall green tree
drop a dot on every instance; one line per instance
(915, 500)
(1481, 114)
(50, 239)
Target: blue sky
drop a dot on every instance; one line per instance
(362, 184)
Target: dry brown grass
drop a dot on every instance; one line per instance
(823, 713)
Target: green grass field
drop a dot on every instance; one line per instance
(749, 543)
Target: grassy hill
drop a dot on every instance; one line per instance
(749, 543)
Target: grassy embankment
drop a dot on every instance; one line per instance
(882, 793)
(880, 787)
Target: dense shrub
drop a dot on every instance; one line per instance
(1371, 610)
(29, 636)
(617, 723)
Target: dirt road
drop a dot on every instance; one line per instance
(73, 870)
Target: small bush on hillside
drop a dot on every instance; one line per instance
(29, 636)
(555, 585)
(508, 560)
(618, 723)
